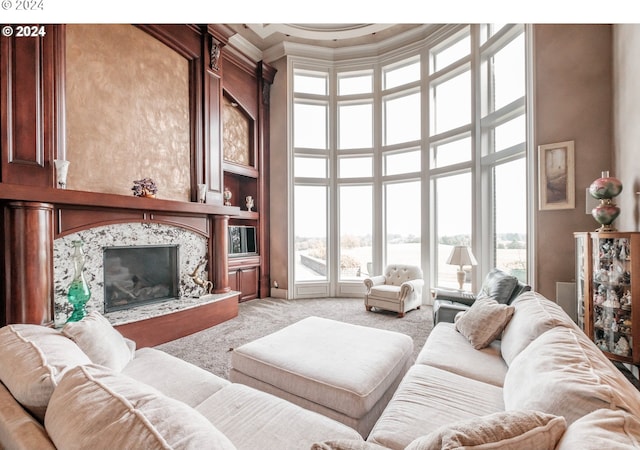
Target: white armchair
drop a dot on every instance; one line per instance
(399, 289)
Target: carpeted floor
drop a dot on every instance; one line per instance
(210, 348)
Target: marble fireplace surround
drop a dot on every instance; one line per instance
(192, 248)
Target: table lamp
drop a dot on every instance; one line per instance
(461, 256)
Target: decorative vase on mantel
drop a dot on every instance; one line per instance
(605, 189)
(79, 292)
(145, 188)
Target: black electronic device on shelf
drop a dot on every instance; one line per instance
(242, 240)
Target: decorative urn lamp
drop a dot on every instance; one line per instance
(605, 189)
(460, 256)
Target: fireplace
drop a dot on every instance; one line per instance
(191, 248)
(139, 275)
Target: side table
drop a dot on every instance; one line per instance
(449, 302)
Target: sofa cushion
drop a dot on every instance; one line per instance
(102, 343)
(387, 291)
(563, 373)
(33, 359)
(252, 419)
(498, 285)
(604, 428)
(513, 430)
(484, 322)
(124, 413)
(174, 377)
(532, 316)
(449, 350)
(428, 398)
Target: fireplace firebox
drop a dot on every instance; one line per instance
(139, 275)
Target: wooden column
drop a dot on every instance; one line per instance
(28, 261)
(219, 255)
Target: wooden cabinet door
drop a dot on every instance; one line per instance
(233, 280)
(248, 280)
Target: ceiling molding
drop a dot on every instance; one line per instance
(318, 31)
(242, 45)
(285, 47)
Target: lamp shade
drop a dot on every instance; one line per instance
(461, 256)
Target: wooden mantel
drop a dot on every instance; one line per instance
(67, 197)
(34, 217)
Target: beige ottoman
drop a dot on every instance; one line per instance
(345, 372)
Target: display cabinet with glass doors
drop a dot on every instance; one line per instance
(607, 296)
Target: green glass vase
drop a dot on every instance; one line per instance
(79, 292)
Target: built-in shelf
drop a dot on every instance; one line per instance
(249, 215)
(246, 171)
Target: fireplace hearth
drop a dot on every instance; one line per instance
(139, 275)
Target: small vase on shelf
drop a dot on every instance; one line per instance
(79, 292)
(202, 193)
(226, 195)
(62, 168)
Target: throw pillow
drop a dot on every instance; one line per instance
(484, 322)
(95, 407)
(534, 314)
(498, 285)
(512, 430)
(346, 444)
(33, 359)
(606, 428)
(102, 343)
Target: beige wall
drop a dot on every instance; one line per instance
(626, 113)
(127, 112)
(573, 101)
(279, 212)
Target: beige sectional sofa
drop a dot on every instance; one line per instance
(540, 363)
(89, 389)
(542, 384)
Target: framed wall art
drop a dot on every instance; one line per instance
(556, 176)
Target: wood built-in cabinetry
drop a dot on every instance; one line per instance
(33, 134)
(608, 292)
(245, 165)
(245, 270)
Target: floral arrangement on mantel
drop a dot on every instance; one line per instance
(144, 188)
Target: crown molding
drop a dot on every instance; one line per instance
(245, 47)
(285, 48)
(318, 30)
